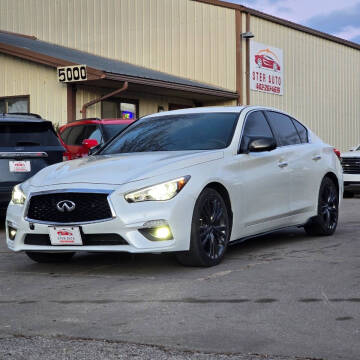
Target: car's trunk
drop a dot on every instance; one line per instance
(26, 148)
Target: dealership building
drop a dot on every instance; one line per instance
(69, 59)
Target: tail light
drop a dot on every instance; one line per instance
(337, 153)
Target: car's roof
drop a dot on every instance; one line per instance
(97, 121)
(19, 118)
(214, 109)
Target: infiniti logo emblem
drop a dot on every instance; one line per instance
(65, 206)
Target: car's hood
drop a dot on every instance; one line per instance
(351, 154)
(122, 168)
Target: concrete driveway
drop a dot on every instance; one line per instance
(283, 296)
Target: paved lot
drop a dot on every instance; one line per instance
(284, 296)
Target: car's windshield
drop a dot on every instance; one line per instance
(204, 131)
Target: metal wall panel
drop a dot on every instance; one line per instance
(181, 37)
(47, 97)
(321, 82)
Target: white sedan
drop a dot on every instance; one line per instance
(189, 181)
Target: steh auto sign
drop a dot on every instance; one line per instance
(266, 68)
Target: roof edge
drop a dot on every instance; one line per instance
(172, 85)
(32, 37)
(39, 58)
(281, 21)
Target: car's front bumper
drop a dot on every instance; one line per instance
(129, 218)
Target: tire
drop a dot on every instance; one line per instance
(50, 257)
(348, 195)
(210, 231)
(325, 223)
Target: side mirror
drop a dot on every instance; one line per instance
(94, 149)
(90, 143)
(262, 144)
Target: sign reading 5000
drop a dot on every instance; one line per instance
(266, 68)
(72, 73)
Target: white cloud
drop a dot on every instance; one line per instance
(349, 32)
(296, 10)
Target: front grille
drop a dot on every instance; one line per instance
(88, 207)
(351, 165)
(88, 239)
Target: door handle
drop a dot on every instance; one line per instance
(316, 157)
(283, 164)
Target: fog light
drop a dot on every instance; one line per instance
(158, 233)
(162, 232)
(12, 233)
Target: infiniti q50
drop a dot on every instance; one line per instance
(189, 181)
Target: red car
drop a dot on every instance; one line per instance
(267, 61)
(79, 136)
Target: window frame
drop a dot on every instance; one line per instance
(306, 129)
(119, 101)
(27, 97)
(244, 124)
(278, 142)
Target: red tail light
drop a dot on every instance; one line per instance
(337, 153)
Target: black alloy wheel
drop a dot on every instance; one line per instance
(325, 222)
(210, 231)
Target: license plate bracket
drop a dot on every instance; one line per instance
(20, 166)
(65, 236)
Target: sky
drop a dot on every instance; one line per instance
(337, 17)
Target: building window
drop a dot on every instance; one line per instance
(15, 104)
(119, 109)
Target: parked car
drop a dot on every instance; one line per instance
(188, 181)
(267, 61)
(74, 136)
(351, 166)
(27, 144)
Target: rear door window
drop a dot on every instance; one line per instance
(283, 128)
(302, 131)
(27, 134)
(255, 127)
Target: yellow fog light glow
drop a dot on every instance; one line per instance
(12, 234)
(18, 197)
(158, 192)
(162, 232)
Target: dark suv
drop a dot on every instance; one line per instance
(27, 144)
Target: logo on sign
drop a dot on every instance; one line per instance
(64, 233)
(65, 206)
(266, 68)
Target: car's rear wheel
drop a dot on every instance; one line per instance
(325, 222)
(210, 231)
(50, 257)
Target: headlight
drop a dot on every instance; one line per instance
(163, 191)
(18, 197)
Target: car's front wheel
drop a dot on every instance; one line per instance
(210, 231)
(50, 257)
(325, 222)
